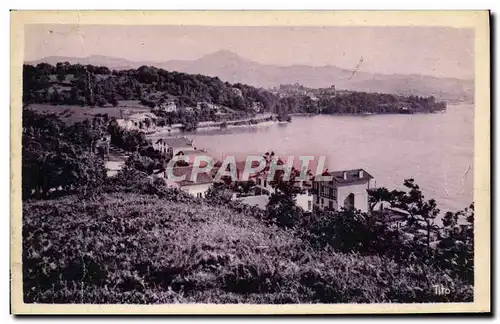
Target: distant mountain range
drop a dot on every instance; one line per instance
(232, 68)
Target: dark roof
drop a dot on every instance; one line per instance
(176, 141)
(352, 175)
(193, 152)
(201, 178)
(240, 167)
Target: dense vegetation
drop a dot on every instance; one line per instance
(159, 245)
(98, 86)
(59, 159)
(91, 85)
(330, 102)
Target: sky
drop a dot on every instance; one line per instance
(436, 51)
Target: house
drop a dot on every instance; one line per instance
(257, 201)
(345, 189)
(257, 107)
(396, 218)
(191, 154)
(113, 167)
(167, 106)
(173, 145)
(237, 91)
(195, 185)
(208, 105)
(303, 200)
(239, 167)
(140, 121)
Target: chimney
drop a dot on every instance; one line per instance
(361, 174)
(345, 175)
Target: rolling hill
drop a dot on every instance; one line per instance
(232, 68)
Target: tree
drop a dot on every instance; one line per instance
(219, 194)
(56, 158)
(113, 101)
(380, 195)
(282, 208)
(422, 212)
(128, 179)
(60, 72)
(456, 247)
(140, 163)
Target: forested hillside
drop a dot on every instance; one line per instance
(91, 85)
(87, 85)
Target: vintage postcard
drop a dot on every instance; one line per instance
(250, 162)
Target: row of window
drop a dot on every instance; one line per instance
(328, 192)
(259, 182)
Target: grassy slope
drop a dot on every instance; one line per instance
(72, 113)
(130, 248)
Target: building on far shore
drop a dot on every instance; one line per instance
(346, 189)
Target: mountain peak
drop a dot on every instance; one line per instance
(225, 55)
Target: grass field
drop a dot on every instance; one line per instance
(132, 248)
(72, 114)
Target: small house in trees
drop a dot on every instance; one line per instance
(141, 121)
(168, 106)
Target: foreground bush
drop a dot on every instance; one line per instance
(130, 248)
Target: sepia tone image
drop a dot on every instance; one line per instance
(214, 164)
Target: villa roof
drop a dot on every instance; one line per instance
(142, 116)
(201, 178)
(240, 168)
(176, 141)
(351, 175)
(193, 152)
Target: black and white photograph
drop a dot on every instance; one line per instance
(274, 164)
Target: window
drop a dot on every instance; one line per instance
(309, 205)
(265, 183)
(330, 204)
(322, 201)
(199, 195)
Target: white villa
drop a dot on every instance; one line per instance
(141, 121)
(303, 200)
(173, 145)
(167, 106)
(346, 189)
(197, 188)
(263, 189)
